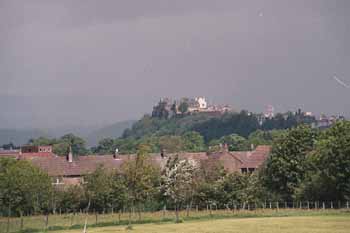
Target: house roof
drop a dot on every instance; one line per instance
(59, 166)
(253, 159)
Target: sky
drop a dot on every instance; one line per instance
(90, 62)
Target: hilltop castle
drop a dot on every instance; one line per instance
(167, 107)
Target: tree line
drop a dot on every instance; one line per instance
(305, 164)
(185, 132)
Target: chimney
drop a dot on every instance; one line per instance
(116, 153)
(252, 146)
(70, 155)
(225, 149)
(162, 153)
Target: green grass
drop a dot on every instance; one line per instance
(161, 221)
(304, 224)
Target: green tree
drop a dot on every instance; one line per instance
(183, 107)
(193, 142)
(23, 188)
(235, 142)
(328, 176)
(99, 189)
(71, 198)
(261, 137)
(105, 146)
(171, 144)
(285, 168)
(140, 176)
(77, 143)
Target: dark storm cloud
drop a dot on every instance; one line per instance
(89, 62)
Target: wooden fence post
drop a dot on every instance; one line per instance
(308, 205)
(71, 219)
(270, 205)
(331, 204)
(164, 209)
(323, 206)
(22, 224)
(46, 221)
(347, 204)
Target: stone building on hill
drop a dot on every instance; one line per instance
(166, 107)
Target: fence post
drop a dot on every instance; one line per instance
(301, 205)
(22, 223)
(308, 205)
(347, 204)
(197, 208)
(270, 205)
(285, 205)
(46, 221)
(164, 209)
(323, 206)
(331, 204)
(71, 219)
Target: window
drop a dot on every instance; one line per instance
(244, 170)
(251, 170)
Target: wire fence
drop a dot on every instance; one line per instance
(127, 214)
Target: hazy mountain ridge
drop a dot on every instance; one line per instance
(91, 134)
(111, 131)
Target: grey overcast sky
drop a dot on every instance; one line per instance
(88, 62)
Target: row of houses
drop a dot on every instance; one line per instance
(68, 170)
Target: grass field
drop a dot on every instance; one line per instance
(201, 221)
(306, 224)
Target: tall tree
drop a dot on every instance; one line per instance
(177, 182)
(328, 176)
(286, 166)
(140, 175)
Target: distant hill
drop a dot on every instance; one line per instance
(19, 136)
(111, 131)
